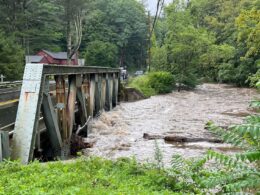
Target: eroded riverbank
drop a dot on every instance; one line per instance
(119, 133)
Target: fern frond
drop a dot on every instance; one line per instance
(250, 156)
(221, 179)
(227, 160)
(227, 136)
(178, 163)
(198, 164)
(243, 184)
(251, 129)
(255, 104)
(253, 119)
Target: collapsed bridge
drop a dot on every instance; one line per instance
(80, 93)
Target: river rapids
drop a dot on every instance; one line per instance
(119, 133)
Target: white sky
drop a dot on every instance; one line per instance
(151, 4)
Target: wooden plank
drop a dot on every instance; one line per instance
(92, 92)
(108, 102)
(97, 95)
(115, 90)
(103, 92)
(82, 106)
(61, 105)
(71, 104)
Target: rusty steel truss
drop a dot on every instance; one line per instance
(86, 89)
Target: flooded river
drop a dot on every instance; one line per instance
(119, 133)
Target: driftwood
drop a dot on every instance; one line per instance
(83, 127)
(78, 143)
(151, 137)
(182, 139)
(174, 138)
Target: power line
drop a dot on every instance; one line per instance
(159, 7)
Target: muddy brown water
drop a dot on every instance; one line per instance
(119, 133)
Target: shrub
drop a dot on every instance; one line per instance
(254, 80)
(161, 82)
(142, 84)
(153, 83)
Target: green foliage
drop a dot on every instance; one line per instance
(161, 82)
(158, 156)
(114, 31)
(254, 80)
(159, 59)
(142, 84)
(153, 83)
(187, 174)
(213, 39)
(85, 176)
(123, 25)
(34, 24)
(100, 53)
(242, 169)
(11, 58)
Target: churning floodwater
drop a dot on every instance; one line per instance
(119, 133)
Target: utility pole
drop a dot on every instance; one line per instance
(149, 42)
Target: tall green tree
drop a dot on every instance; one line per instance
(122, 24)
(34, 24)
(11, 58)
(216, 39)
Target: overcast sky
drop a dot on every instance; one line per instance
(153, 3)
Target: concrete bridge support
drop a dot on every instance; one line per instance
(86, 91)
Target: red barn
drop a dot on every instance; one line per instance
(47, 57)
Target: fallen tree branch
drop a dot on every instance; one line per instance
(182, 139)
(174, 138)
(83, 127)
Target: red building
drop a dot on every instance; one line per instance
(47, 57)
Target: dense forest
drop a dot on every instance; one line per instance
(212, 39)
(197, 40)
(112, 32)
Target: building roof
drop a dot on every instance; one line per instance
(58, 55)
(33, 59)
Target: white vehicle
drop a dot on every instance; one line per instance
(139, 73)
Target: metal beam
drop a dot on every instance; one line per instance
(68, 70)
(4, 145)
(28, 113)
(51, 123)
(1, 148)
